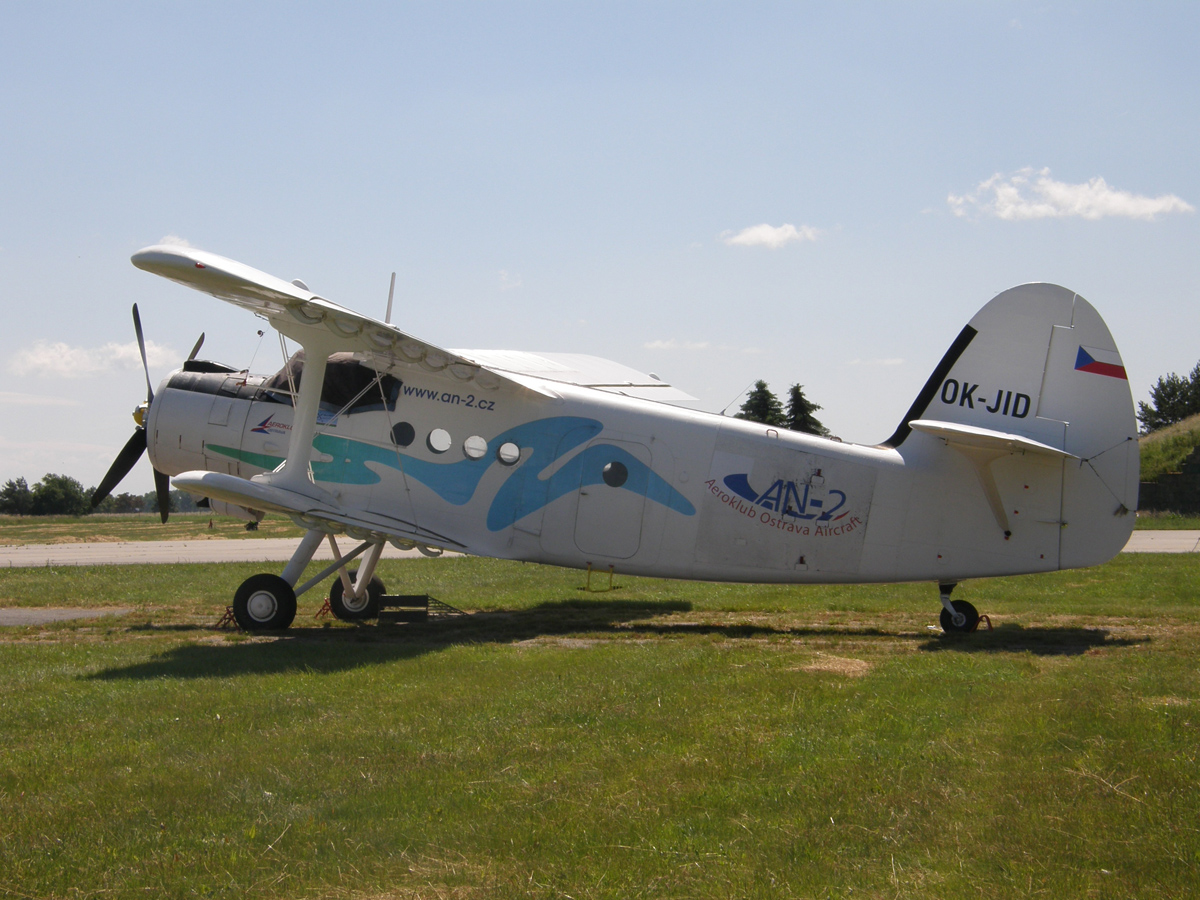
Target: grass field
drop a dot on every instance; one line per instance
(137, 527)
(1166, 521)
(667, 739)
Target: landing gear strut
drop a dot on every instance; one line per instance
(958, 616)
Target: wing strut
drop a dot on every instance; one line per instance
(295, 474)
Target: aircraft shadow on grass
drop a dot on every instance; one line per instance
(329, 650)
(1038, 640)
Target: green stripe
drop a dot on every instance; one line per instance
(262, 460)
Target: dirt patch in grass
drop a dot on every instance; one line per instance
(838, 665)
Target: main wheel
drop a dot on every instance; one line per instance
(355, 609)
(264, 603)
(968, 623)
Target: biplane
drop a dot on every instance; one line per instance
(1018, 455)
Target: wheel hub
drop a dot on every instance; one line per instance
(354, 603)
(262, 605)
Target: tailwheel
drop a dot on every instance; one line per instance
(958, 616)
(963, 620)
(264, 603)
(352, 608)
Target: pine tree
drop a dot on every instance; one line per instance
(799, 415)
(762, 406)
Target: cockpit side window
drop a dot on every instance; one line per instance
(347, 381)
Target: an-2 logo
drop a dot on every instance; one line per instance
(788, 498)
(1007, 403)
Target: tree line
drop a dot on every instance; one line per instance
(62, 495)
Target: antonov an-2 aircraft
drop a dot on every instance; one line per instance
(1018, 455)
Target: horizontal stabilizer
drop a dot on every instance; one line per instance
(986, 439)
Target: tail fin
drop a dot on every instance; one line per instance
(1036, 370)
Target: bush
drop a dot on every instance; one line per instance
(59, 495)
(1172, 399)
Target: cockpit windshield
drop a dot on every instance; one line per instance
(349, 385)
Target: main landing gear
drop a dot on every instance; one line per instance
(958, 616)
(267, 602)
(354, 605)
(264, 603)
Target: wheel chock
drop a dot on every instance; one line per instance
(227, 620)
(588, 585)
(983, 620)
(324, 610)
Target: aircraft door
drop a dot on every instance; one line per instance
(612, 498)
(223, 432)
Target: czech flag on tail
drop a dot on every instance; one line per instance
(1100, 362)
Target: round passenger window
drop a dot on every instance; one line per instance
(474, 447)
(615, 474)
(509, 453)
(439, 440)
(403, 434)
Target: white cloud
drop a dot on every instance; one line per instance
(1030, 194)
(12, 398)
(770, 236)
(508, 282)
(64, 361)
(174, 239)
(673, 344)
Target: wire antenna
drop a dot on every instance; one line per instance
(739, 396)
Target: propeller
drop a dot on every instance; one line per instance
(136, 445)
(196, 349)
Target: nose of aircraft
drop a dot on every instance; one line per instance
(136, 445)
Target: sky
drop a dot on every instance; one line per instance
(809, 193)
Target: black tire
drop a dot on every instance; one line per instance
(356, 610)
(969, 611)
(264, 603)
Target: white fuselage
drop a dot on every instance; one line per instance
(648, 488)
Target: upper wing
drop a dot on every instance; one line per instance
(293, 310)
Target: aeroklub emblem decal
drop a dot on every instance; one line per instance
(787, 506)
(270, 426)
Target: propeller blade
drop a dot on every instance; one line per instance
(196, 349)
(129, 455)
(162, 488)
(137, 327)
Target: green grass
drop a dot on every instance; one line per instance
(1165, 450)
(137, 527)
(1154, 520)
(667, 739)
